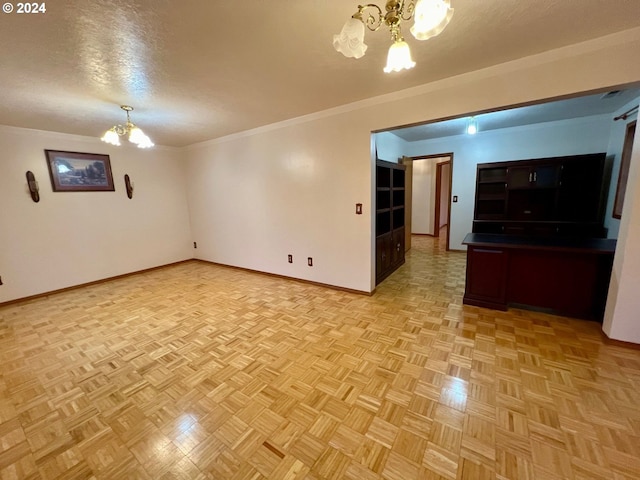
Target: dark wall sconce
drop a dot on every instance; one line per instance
(129, 186)
(33, 186)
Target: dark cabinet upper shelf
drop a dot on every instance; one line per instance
(557, 196)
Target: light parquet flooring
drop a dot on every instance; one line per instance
(197, 371)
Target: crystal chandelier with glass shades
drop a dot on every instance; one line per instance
(430, 18)
(135, 134)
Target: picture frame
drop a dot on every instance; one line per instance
(625, 162)
(79, 172)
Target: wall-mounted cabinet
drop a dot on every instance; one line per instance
(390, 212)
(559, 196)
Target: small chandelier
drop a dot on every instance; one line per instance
(136, 135)
(431, 17)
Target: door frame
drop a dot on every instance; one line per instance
(436, 213)
(409, 201)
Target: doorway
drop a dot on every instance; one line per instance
(428, 196)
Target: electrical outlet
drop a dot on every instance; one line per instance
(290, 258)
(195, 244)
(310, 261)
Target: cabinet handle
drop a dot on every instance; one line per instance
(530, 177)
(535, 176)
(398, 248)
(484, 250)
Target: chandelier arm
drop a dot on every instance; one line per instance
(410, 8)
(120, 130)
(372, 22)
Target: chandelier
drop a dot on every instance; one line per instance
(431, 17)
(136, 135)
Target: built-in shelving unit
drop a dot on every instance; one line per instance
(390, 214)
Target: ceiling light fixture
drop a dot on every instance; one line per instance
(136, 135)
(472, 126)
(431, 17)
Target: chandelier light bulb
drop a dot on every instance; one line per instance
(111, 137)
(136, 135)
(145, 143)
(431, 18)
(399, 57)
(350, 41)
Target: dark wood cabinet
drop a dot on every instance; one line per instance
(538, 238)
(486, 282)
(390, 212)
(558, 196)
(556, 275)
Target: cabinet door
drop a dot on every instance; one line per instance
(545, 176)
(383, 254)
(486, 284)
(491, 174)
(580, 191)
(519, 177)
(397, 246)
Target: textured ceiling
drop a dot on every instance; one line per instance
(201, 69)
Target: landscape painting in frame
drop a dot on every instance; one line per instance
(79, 172)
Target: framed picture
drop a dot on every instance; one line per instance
(79, 172)
(625, 162)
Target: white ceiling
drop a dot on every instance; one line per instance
(200, 69)
(584, 106)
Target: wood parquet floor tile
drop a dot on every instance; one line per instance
(197, 371)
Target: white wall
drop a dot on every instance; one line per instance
(389, 146)
(614, 154)
(622, 314)
(70, 238)
(256, 199)
(566, 137)
(308, 173)
(422, 196)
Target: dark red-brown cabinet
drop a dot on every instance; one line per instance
(538, 239)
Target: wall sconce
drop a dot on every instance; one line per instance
(34, 190)
(128, 184)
